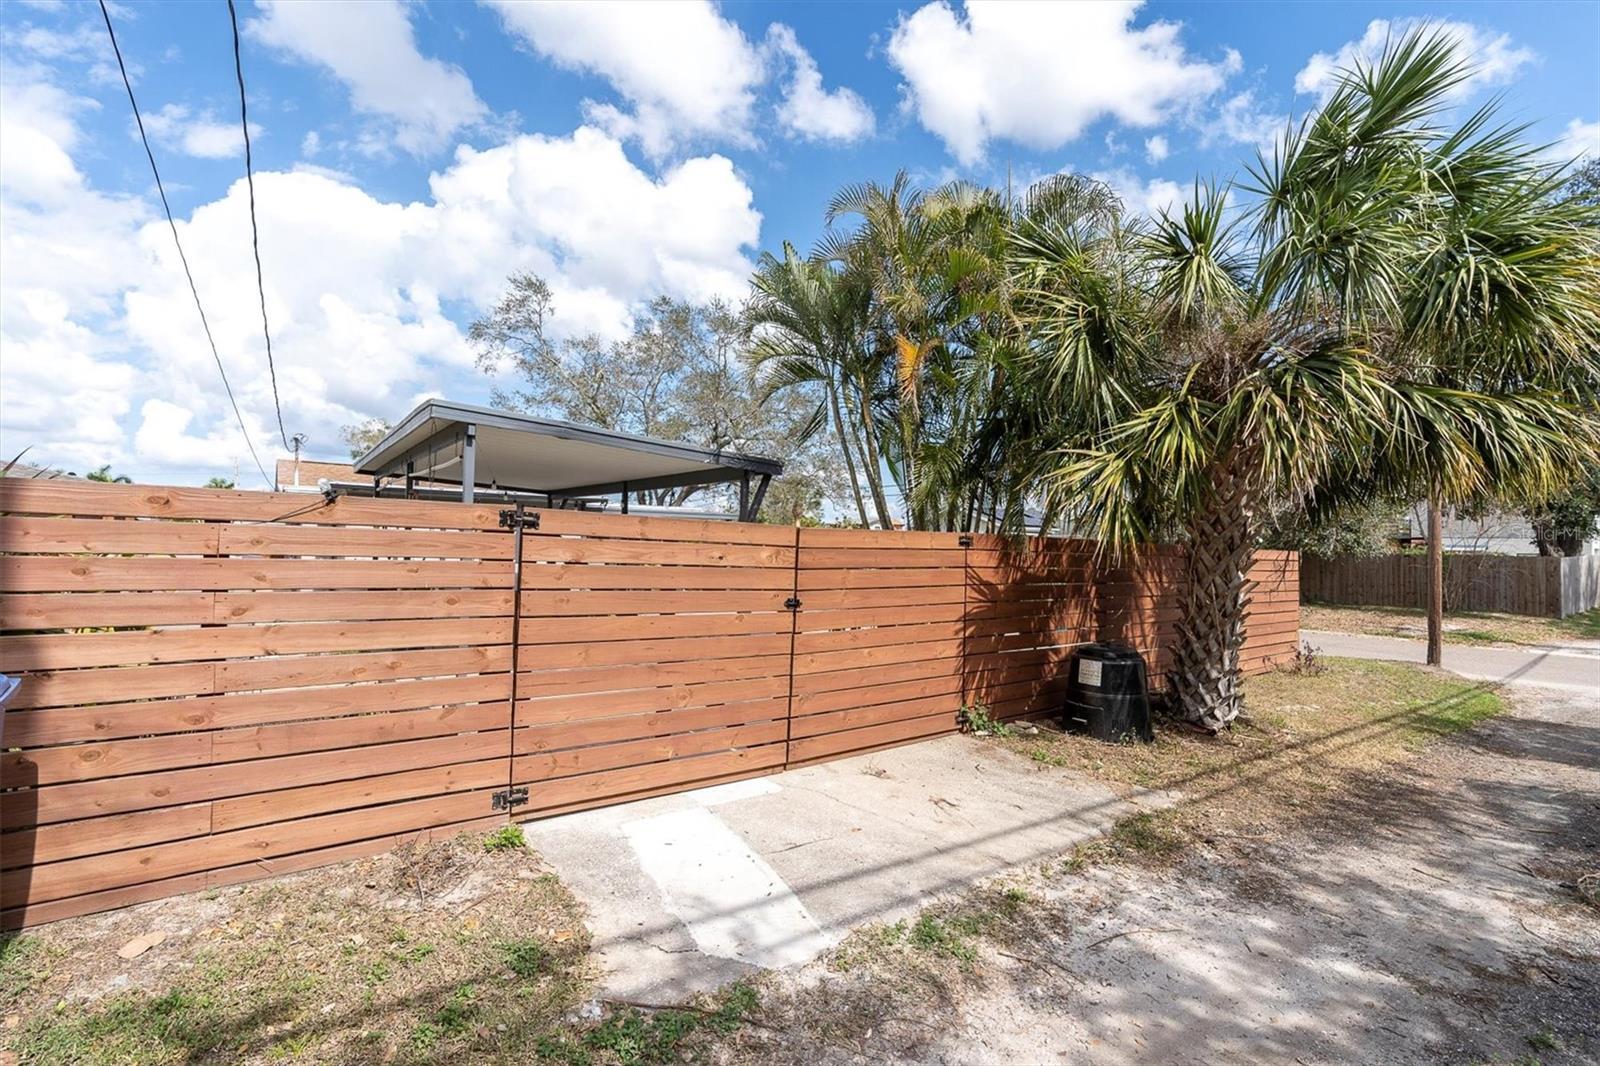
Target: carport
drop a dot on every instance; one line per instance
(442, 444)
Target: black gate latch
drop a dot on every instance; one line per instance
(791, 604)
(965, 540)
(509, 798)
(511, 519)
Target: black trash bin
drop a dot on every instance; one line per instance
(1108, 694)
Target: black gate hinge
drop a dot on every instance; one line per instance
(792, 603)
(511, 519)
(508, 798)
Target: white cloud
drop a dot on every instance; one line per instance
(198, 135)
(1240, 121)
(1039, 74)
(104, 360)
(311, 143)
(809, 111)
(1156, 148)
(1580, 138)
(1495, 60)
(371, 48)
(685, 71)
(1140, 196)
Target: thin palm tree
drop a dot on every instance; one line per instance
(809, 327)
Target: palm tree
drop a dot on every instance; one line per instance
(1311, 352)
(103, 473)
(809, 323)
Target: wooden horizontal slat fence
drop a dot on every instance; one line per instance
(1511, 584)
(653, 655)
(224, 685)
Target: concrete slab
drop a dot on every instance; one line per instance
(690, 891)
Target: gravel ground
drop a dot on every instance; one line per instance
(1433, 916)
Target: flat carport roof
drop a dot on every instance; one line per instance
(460, 444)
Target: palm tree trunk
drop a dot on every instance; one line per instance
(874, 469)
(849, 457)
(1435, 582)
(1210, 633)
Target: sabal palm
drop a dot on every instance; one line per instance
(1318, 350)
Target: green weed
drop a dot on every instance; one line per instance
(505, 839)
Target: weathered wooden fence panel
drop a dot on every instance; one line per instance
(1510, 584)
(225, 685)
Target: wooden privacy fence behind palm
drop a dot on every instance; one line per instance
(223, 685)
(1541, 586)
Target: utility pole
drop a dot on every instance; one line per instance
(1435, 582)
(297, 442)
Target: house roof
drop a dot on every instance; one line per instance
(545, 455)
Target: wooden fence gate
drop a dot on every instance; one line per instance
(225, 685)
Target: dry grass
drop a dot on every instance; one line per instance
(1307, 739)
(1464, 627)
(458, 951)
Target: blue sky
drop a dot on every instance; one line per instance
(409, 156)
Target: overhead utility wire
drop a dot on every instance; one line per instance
(195, 292)
(255, 234)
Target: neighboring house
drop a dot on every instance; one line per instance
(1496, 532)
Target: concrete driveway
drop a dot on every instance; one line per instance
(1573, 668)
(690, 891)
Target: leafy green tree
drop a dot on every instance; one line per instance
(680, 374)
(1563, 524)
(362, 437)
(221, 483)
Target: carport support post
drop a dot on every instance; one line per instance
(469, 462)
(744, 496)
(624, 497)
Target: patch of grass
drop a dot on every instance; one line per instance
(1544, 1040)
(946, 938)
(632, 1037)
(1150, 834)
(25, 963)
(504, 839)
(1460, 627)
(342, 965)
(1309, 740)
(525, 958)
(868, 944)
(458, 1011)
(1585, 626)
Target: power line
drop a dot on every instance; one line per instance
(173, 225)
(255, 234)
